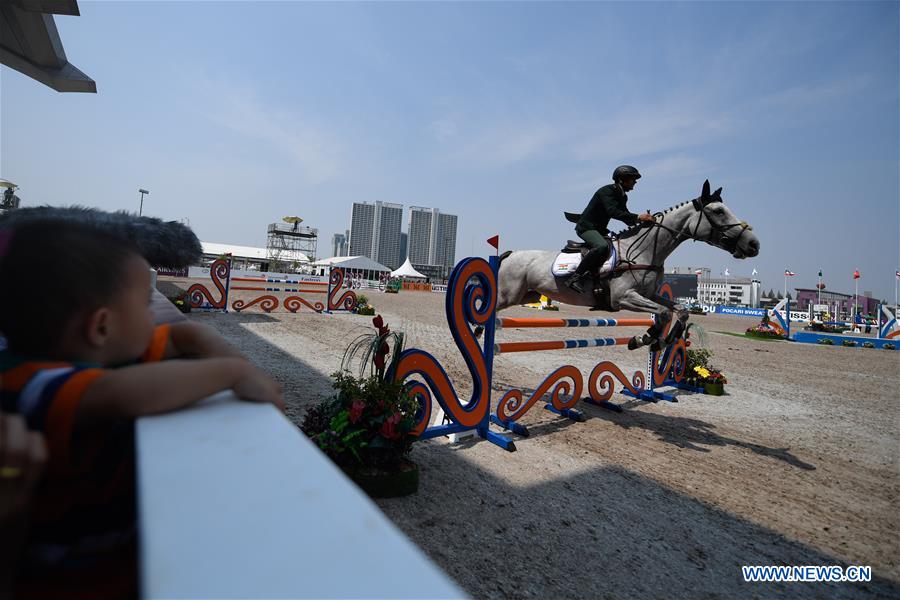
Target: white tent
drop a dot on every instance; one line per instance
(407, 270)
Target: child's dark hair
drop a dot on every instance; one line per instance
(51, 273)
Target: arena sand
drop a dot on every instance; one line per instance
(796, 465)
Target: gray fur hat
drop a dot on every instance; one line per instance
(164, 244)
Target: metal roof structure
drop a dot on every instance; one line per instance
(30, 44)
(363, 263)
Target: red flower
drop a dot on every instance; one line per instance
(357, 407)
(389, 428)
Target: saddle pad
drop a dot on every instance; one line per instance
(566, 263)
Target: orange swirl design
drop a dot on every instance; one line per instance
(670, 363)
(466, 305)
(347, 301)
(511, 406)
(218, 272)
(267, 303)
(293, 304)
(607, 386)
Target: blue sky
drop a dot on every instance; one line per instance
(236, 114)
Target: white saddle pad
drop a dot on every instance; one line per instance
(566, 263)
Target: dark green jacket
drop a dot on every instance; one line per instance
(609, 202)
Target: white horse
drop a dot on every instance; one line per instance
(525, 275)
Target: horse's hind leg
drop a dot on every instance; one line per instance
(631, 300)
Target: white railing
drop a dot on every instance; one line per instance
(236, 502)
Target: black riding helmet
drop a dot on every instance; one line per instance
(625, 171)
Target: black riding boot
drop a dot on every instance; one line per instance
(591, 261)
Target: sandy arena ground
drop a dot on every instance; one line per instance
(796, 465)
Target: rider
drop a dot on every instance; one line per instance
(609, 202)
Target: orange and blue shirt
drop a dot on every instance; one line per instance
(85, 507)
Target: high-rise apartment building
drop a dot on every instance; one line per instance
(375, 232)
(362, 229)
(431, 241)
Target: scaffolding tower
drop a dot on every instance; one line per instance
(290, 245)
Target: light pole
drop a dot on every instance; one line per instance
(141, 210)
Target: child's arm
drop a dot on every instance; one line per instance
(160, 387)
(193, 340)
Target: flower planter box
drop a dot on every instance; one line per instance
(382, 483)
(714, 389)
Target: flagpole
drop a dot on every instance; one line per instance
(855, 299)
(785, 285)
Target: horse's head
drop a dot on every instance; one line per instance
(716, 225)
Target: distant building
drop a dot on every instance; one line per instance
(728, 291)
(375, 232)
(432, 241)
(362, 229)
(804, 297)
(340, 244)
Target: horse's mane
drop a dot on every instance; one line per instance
(635, 229)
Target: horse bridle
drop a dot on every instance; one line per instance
(720, 238)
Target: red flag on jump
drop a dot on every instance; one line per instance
(494, 241)
(855, 274)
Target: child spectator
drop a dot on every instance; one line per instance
(83, 360)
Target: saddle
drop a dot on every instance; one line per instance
(570, 257)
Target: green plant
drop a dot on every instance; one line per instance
(362, 300)
(826, 342)
(698, 357)
(365, 310)
(889, 346)
(848, 343)
(369, 421)
(868, 345)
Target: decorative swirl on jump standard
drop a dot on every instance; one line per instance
(347, 301)
(293, 304)
(562, 399)
(266, 303)
(219, 272)
(470, 301)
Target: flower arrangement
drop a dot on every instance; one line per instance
(182, 302)
(363, 307)
(366, 428)
(700, 373)
(763, 330)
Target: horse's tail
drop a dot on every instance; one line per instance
(505, 255)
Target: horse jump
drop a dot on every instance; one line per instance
(220, 273)
(472, 302)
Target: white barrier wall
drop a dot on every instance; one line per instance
(235, 502)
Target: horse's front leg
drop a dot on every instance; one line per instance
(631, 300)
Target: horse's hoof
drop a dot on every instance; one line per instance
(478, 331)
(633, 344)
(675, 333)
